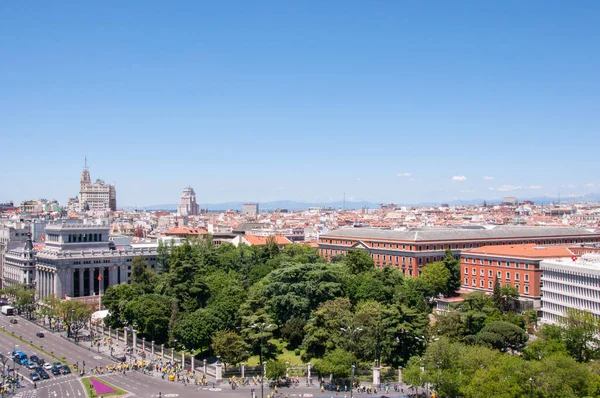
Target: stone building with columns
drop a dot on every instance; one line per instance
(79, 260)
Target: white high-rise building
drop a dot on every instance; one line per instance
(570, 283)
(96, 196)
(250, 209)
(188, 205)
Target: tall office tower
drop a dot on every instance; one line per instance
(188, 205)
(98, 195)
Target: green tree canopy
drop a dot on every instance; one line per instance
(231, 347)
(437, 276)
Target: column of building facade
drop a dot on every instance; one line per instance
(56, 285)
(81, 289)
(45, 279)
(112, 276)
(123, 273)
(91, 280)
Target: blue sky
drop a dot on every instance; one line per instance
(267, 100)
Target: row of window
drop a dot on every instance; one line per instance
(498, 274)
(577, 290)
(90, 237)
(498, 263)
(490, 284)
(457, 246)
(383, 258)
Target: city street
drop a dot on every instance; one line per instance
(134, 382)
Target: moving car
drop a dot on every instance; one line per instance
(34, 376)
(40, 334)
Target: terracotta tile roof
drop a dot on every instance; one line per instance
(185, 231)
(262, 240)
(525, 251)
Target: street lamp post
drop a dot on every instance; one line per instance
(351, 332)
(262, 328)
(352, 381)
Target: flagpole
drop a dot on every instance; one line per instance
(99, 292)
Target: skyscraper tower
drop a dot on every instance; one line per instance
(188, 205)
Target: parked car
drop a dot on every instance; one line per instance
(43, 374)
(31, 364)
(13, 321)
(66, 370)
(34, 376)
(57, 364)
(47, 365)
(37, 360)
(40, 334)
(55, 370)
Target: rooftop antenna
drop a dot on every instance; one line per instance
(85, 164)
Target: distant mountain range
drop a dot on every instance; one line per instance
(351, 205)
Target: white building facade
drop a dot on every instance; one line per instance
(10, 232)
(250, 209)
(19, 264)
(568, 284)
(79, 261)
(188, 205)
(96, 196)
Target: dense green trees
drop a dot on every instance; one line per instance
(242, 301)
(203, 293)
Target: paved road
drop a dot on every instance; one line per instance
(136, 383)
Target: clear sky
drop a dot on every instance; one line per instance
(389, 100)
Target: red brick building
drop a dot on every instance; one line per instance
(413, 248)
(515, 265)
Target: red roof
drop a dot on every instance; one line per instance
(530, 250)
(262, 240)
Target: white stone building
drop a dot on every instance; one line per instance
(96, 196)
(19, 264)
(79, 260)
(570, 283)
(188, 205)
(10, 232)
(250, 209)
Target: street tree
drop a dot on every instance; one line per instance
(75, 315)
(337, 363)
(275, 370)
(151, 314)
(231, 347)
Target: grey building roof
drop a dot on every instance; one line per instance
(248, 226)
(439, 234)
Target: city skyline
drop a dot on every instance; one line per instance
(385, 101)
